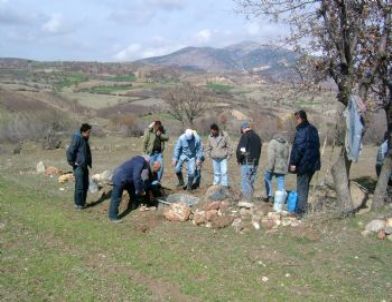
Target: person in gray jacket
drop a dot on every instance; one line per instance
(277, 165)
(219, 149)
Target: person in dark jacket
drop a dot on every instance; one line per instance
(135, 176)
(248, 156)
(304, 158)
(79, 158)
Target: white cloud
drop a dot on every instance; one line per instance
(203, 36)
(131, 52)
(253, 29)
(55, 25)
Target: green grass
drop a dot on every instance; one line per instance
(49, 251)
(109, 89)
(218, 87)
(68, 80)
(121, 78)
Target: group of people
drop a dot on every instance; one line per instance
(143, 173)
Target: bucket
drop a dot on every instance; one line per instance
(279, 200)
(292, 202)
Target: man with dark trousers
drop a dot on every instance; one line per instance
(79, 158)
(135, 176)
(248, 156)
(304, 158)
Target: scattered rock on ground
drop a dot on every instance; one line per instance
(217, 193)
(40, 167)
(66, 178)
(220, 222)
(177, 212)
(357, 194)
(52, 171)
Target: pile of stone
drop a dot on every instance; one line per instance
(52, 171)
(381, 227)
(220, 209)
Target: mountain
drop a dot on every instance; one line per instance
(245, 56)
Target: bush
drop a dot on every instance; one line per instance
(128, 125)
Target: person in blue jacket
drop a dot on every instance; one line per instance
(79, 158)
(189, 150)
(304, 158)
(135, 176)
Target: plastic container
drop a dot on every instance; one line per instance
(292, 201)
(279, 200)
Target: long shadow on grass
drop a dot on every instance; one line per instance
(104, 196)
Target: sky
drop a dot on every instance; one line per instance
(122, 30)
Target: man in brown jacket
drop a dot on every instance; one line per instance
(277, 165)
(219, 149)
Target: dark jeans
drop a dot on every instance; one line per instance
(81, 185)
(303, 181)
(117, 192)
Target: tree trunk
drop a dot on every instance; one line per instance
(382, 183)
(341, 175)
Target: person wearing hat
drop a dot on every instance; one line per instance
(189, 150)
(248, 155)
(134, 176)
(304, 158)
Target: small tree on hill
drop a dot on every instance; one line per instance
(186, 103)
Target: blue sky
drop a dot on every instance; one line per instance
(122, 30)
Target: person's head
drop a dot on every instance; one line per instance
(245, 127)
(189, 134)
(85, 130)
(157, 125)
(155, 166)
(214, 130)
(300, 116)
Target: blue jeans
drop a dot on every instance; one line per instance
(157, 156)
(81, 185)
(117, 193)
(268, 182)
(220, 172)
(248, 176)
(190, 165)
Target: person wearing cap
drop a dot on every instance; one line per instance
(304, 158)
(134, 176)
(219, 149)
(189, 150)
(80, 159)
(248, 155)
(154, 140)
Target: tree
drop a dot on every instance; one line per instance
(350, 39)
(186, 103)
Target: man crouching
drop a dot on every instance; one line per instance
(135, 176)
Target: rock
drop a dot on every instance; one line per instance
(103, 178)
(217, 193)
(388, 230)
(267, 223)
(210, 215)
(264, 279)
(245, 212)
(358, 196)
(381, 235)
(245, 204)
(274, 215)
(388, 222)
(66, 177)
(219, 222)
(199, 217)
(215, 205)
(52, 171)
(256, 221)
(177, 212)
(374, 226)
(41, 168)
(237, 225)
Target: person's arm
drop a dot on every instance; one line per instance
(146, 138)
(271, 156)
(177, 151)
(72, 150)
(298, 149)
(241, 149)
(137, 178)
(164, 137)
